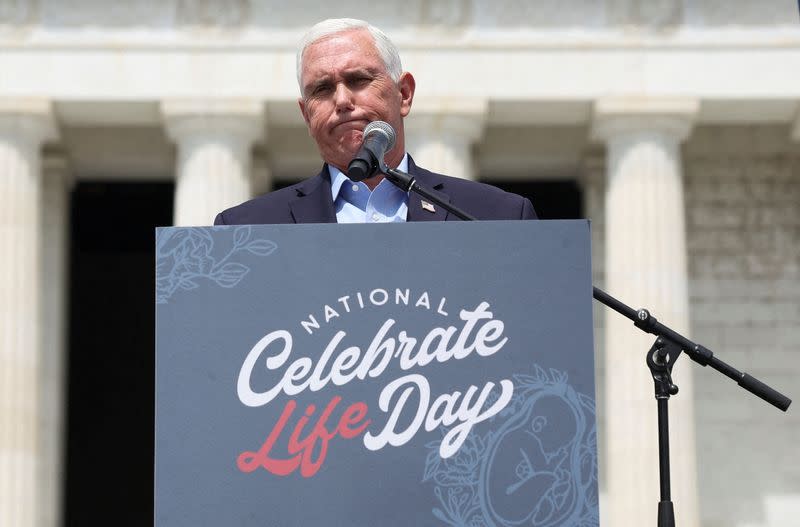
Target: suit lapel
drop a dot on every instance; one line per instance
(314, 202)
(416, 210)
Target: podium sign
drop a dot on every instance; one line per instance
(375, 375)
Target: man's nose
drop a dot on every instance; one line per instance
(343, 98)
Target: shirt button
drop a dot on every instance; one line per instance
(355, 188)
(375, 216)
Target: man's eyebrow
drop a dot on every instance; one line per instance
(360, 70)
(320, 81)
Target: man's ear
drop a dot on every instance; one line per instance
(407, 86)
(302, 104)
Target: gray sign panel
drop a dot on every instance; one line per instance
(375, 375)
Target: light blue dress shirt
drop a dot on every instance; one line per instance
(356, 203)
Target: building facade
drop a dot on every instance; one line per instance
(677, 119)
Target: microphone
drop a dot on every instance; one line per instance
(379, 138)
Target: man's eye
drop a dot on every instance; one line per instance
(360, 81)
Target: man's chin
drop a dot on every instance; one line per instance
(350, 146)
(345, 150)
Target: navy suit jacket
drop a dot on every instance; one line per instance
(310, 201)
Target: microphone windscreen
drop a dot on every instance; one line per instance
(383, 127)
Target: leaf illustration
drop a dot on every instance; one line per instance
(524, 380)
(187, 284)
(587, 402)
(241, 235)
(432, 461)
(440, 515)
(557, 376)
(261, 247)
(168, 240)
(201, 236)
(230, 274)
(200, 251)
(539, 374)
(164, 266)
(182, 250)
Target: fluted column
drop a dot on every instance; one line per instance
(261, 174)
(645, 265)
(56, 186)
(440, 134)
(213, 139)
(796, 128)
(24, 126)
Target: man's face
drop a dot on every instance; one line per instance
(345, 86)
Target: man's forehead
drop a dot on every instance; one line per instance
(340, 54)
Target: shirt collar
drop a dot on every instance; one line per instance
(338, 178)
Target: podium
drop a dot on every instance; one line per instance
(375, 375)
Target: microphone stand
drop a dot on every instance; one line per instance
(660, 358)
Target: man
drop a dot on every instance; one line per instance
(350, 74)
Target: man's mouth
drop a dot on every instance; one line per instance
(351, 124)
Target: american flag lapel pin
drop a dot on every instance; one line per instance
(427, 206)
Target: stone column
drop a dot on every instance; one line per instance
(24, 126)
(56, 186)
(261, 174)
(214, 139)
(796, 128)
(646, 265)
(440, 134)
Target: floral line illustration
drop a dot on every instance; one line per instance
(186, 257)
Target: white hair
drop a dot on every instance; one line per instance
(386, 48)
